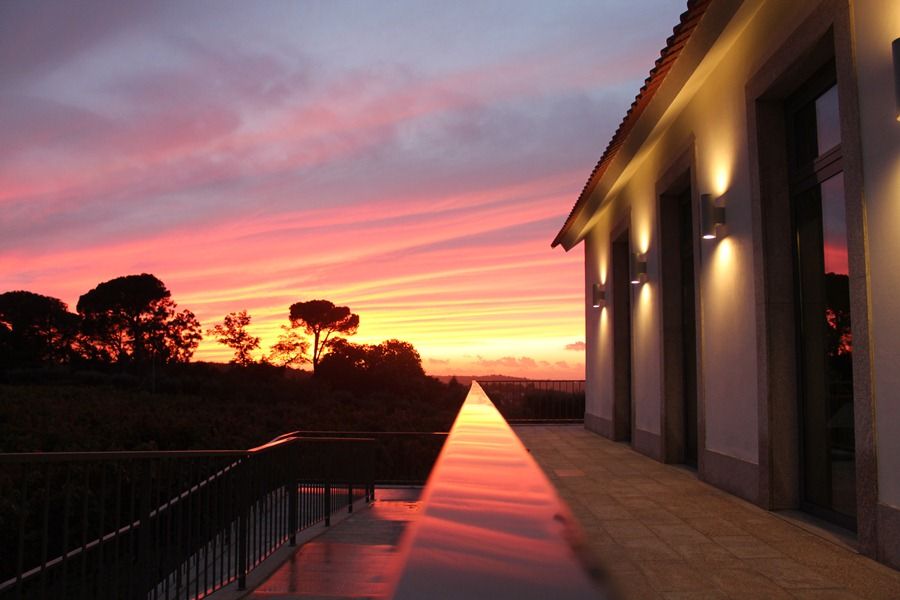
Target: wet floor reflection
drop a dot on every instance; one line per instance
(350, 560)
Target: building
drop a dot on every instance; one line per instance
(741, 248)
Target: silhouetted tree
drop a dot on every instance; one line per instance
(345, 367)
(179, 339)
(290, 349)
(232, 332)
(343, 358)
(35, 329)
(392, 366)
(320, 319)
(132, 319)
(394, 360)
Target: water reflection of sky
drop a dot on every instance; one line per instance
(492, 525)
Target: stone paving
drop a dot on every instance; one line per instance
(662, 533)
(352, 559)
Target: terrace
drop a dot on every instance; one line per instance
(196, 523)
(542, 509)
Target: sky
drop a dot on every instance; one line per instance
(410, 160)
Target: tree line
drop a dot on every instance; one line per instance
(132, 321)
(129, 320)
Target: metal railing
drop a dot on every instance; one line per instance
(400, 457)
(537, 401)
(151, 525)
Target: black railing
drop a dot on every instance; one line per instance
(400, 457)
(537, 401)
(150, 525)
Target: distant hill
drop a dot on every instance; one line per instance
(467, 379)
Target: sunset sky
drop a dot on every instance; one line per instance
(412, 160)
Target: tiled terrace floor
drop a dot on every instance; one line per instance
(662, 533)
(352, 559)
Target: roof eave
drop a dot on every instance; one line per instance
(568, 236)
(572, 232)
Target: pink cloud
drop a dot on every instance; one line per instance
(252, 175)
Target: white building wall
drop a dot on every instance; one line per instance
(639, 195)
(877, 25)
(714, 117)
(710, 116)
(598, 326)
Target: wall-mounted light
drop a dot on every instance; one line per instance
(896, 48)
(598, 296)
(638, 268)
(712, 216)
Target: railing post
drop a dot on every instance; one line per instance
(20, 554)
(327, 503)
(293, 493)
(367, 476)
(143, 532)
(243, 510)
(372, 463)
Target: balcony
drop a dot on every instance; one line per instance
(521, 512)
(218, 523)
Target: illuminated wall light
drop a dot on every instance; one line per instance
(896, 48)
(638, 268)
(599, 296)
(712, 216)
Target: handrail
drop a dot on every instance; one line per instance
(280, 440)
(491, 523)
(52, 457)
(29, 457)
(371, 434)
(526, 381)
(169, 523)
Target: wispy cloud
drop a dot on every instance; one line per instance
(409, 177)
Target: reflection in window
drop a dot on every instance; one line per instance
(837, 281)
(828, 122)
(834, 226)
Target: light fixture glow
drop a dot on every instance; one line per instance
(895, 46)
(712, 216)
(599, 296)
(638, 268)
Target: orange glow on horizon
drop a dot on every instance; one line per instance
(419, 186)
(458, 306)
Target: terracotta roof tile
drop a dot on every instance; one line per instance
(667, 57)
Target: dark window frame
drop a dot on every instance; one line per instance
(802, 178)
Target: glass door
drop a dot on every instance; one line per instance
(826, 351)
(825, 335)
